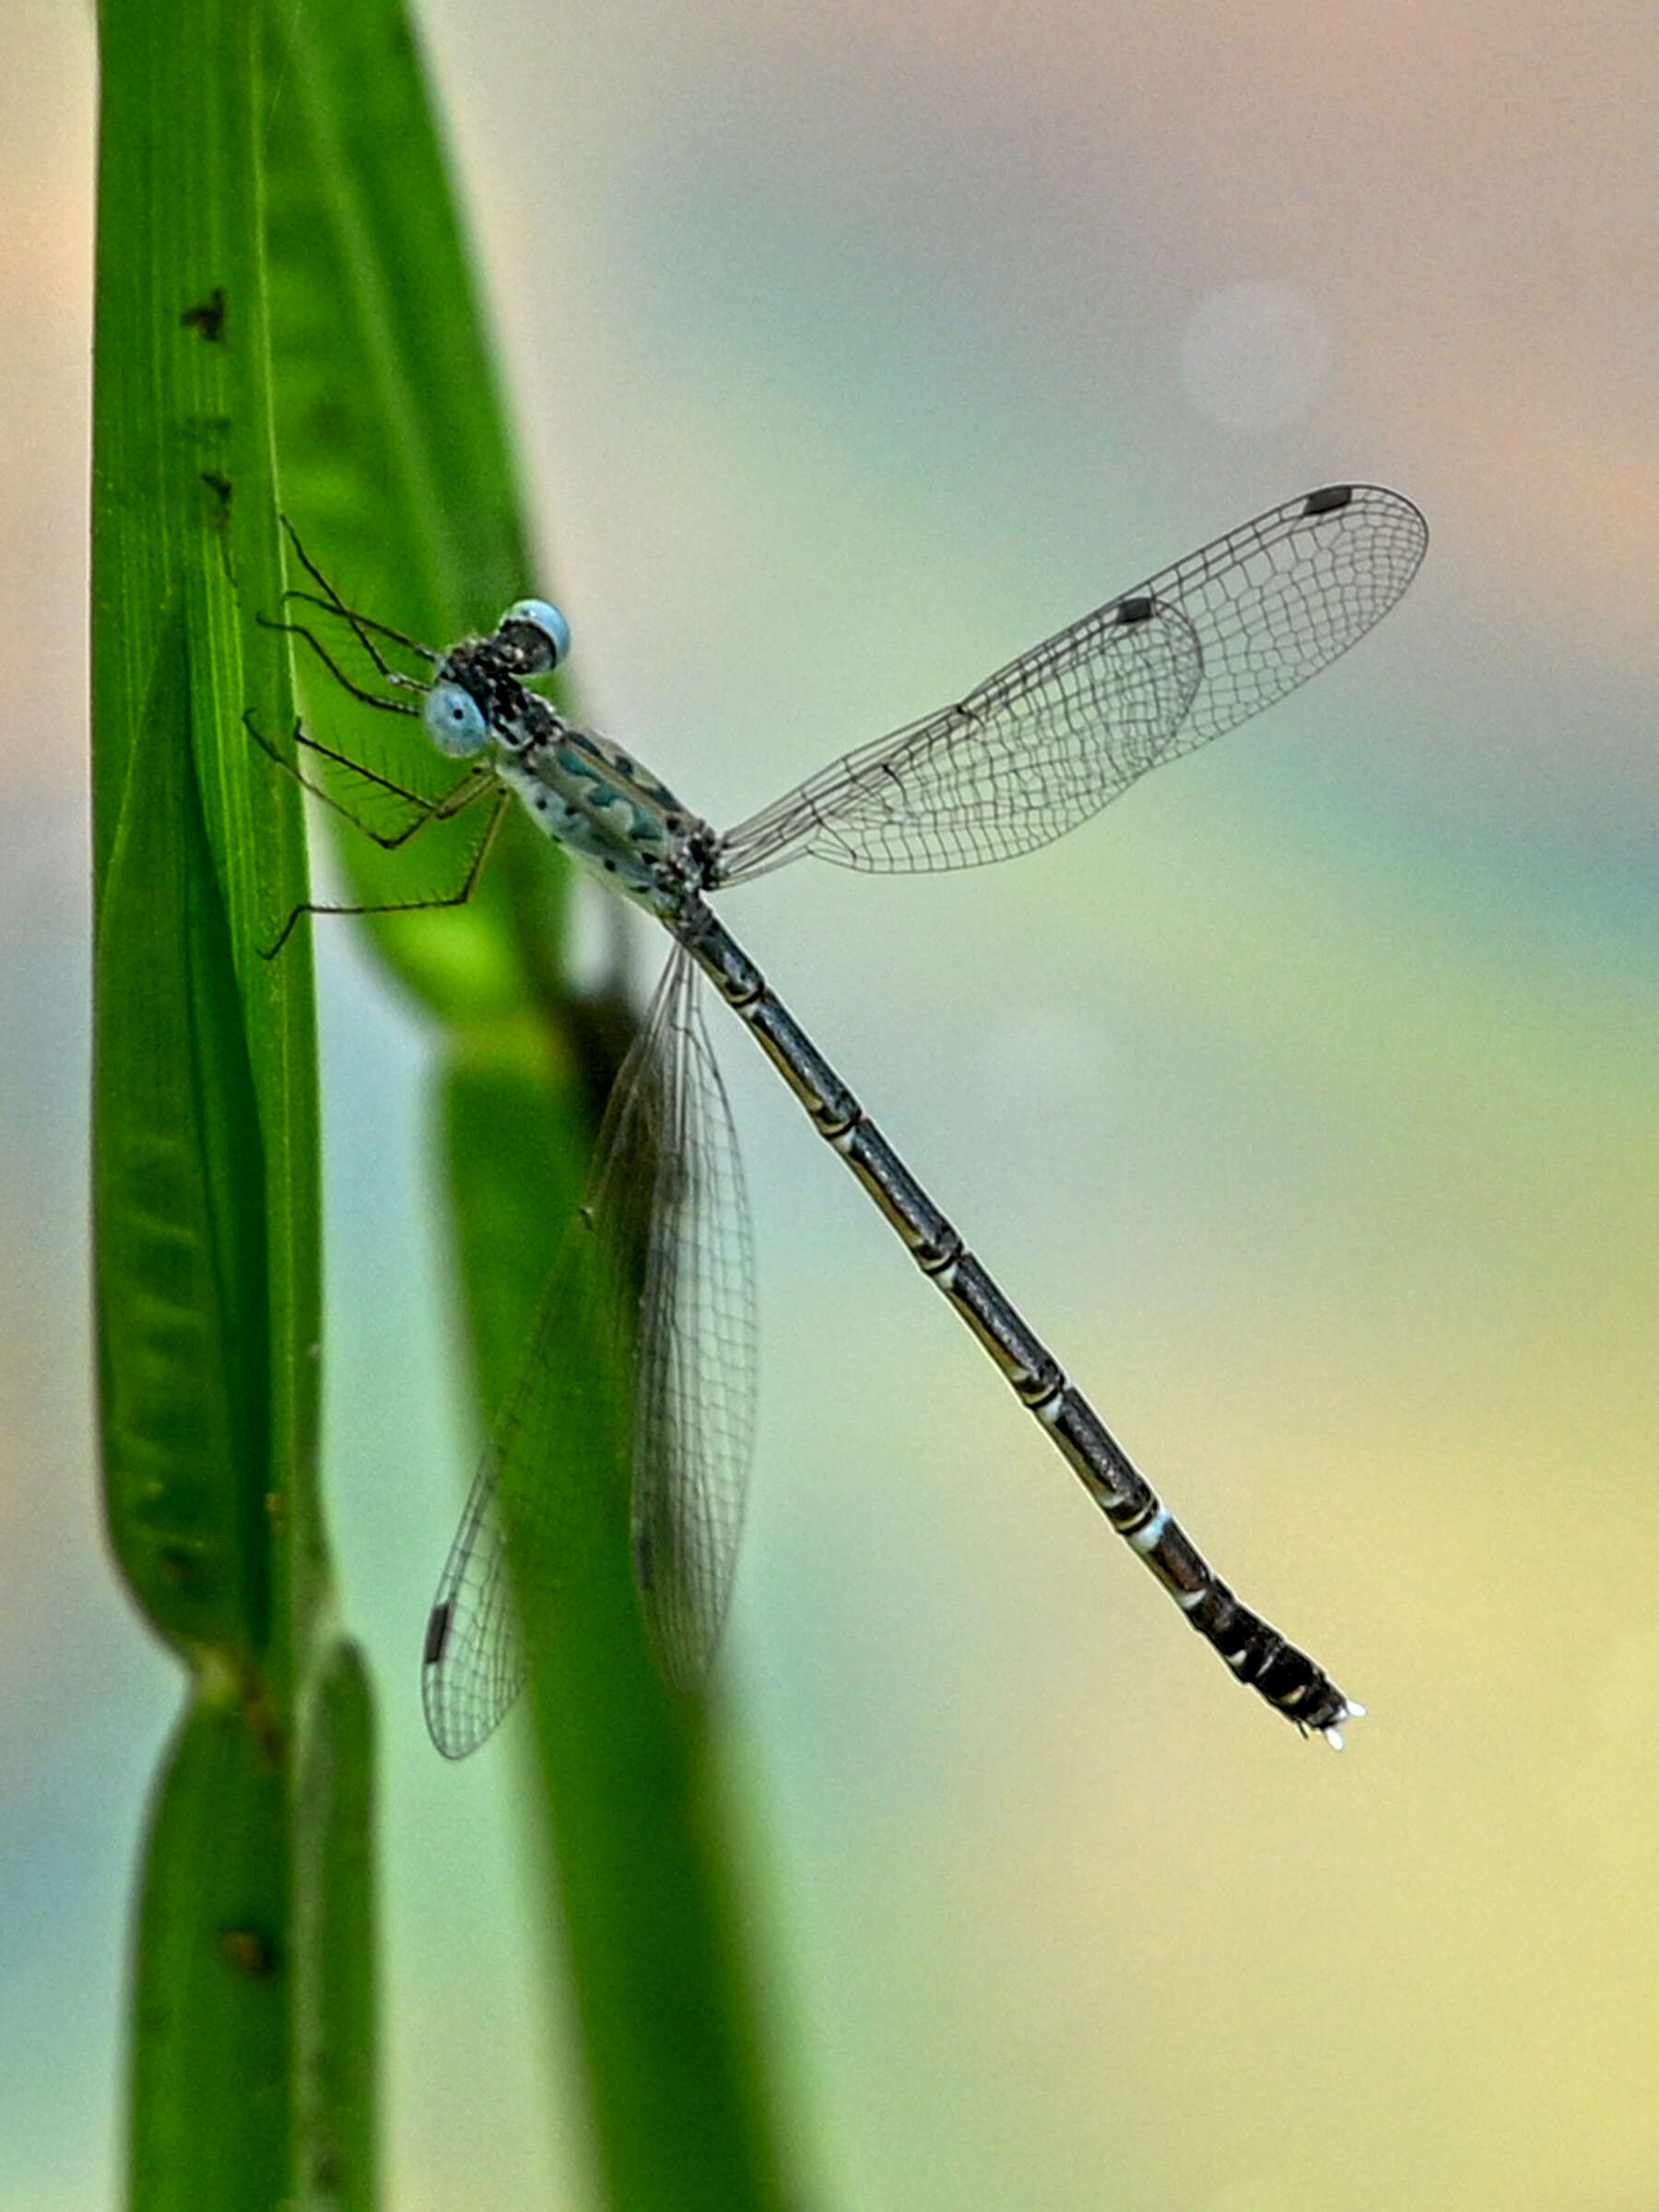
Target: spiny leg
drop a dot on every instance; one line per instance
(444, 808)
(346, 683)
(331, 605)
(447, 806)
(409, 906)
(361, 625)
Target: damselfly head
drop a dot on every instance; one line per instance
(537, 636)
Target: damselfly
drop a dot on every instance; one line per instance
(656, 1270)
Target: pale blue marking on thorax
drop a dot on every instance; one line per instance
(603, 808)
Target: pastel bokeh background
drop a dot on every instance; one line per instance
(1307, 1100)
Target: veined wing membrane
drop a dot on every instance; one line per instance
(1035, 750)
(696, 1396)
(1052, 737)
(641, 1362)
(566, 1425)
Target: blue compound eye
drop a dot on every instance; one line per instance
(454, 720)
(553, 632)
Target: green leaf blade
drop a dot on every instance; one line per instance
(211, 2118)
(206, 1161)
(182, 1277)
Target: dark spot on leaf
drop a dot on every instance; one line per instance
(249, 1952)
(208, 316)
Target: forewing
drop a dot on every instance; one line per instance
(1049, 739)
(695, 1403)
(568, 1423)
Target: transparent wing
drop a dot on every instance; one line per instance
(1054, 736)
(696, 1401)
(634, 1331)
(565, 1426)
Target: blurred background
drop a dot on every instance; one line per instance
(1306, 1099)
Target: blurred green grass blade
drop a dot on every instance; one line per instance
(508, 1131)
(206, 1165)
(394, 469)
(394, 457)
(364, 236)
(635, 1803)
(634, 1794)
(669, 2019)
